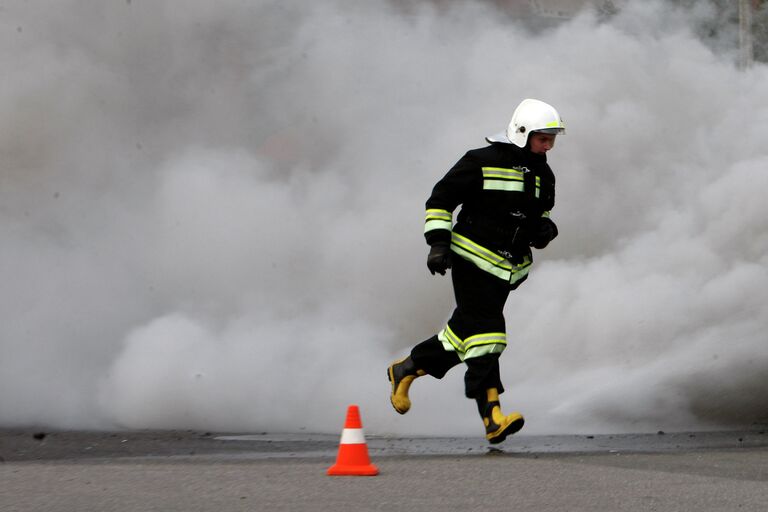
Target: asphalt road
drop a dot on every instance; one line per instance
(202, 471)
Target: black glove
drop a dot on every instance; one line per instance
(439, 259)
(543, 232)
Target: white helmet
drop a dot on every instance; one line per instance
(530, 116)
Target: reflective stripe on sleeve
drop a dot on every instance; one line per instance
(438, 219)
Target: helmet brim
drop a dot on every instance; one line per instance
(499, 137)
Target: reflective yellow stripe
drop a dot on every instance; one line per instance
(521, 273)
(502, 173)
(436, 224)
(508, 186)
(474, 346)
(438, 219)
(434, 214)
(479, 251)
(450, 341)
(508, 180)
(482, 350)
(488, 260)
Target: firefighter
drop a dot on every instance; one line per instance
(506, 191)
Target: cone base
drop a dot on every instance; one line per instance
(337, 470)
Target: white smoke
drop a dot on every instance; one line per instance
(211, 215)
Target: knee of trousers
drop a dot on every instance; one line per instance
(431, 356)
(475, 345)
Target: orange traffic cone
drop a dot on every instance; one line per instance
(352, 459)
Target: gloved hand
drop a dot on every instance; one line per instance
(439, 258)
(543, 232)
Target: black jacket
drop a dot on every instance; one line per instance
(505, 194)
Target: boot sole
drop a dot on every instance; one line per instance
(510, 429)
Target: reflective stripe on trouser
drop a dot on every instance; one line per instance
(489, 261)
(473, 346)
(480, 299)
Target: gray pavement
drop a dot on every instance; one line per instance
(194, 471)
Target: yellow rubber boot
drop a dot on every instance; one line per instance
(497, 425)
(401, 374)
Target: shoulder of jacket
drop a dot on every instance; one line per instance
(490, 149)
(487, 154)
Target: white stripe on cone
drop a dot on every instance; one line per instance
(352, 436)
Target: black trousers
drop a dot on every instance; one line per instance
(480, 299)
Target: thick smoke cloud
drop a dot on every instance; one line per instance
(211, 215)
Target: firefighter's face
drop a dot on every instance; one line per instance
(540, 143)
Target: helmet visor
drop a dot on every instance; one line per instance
(550, 131)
